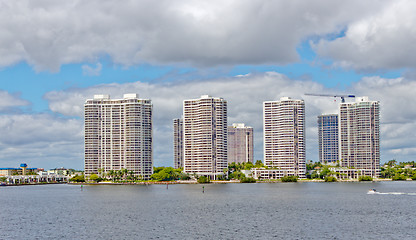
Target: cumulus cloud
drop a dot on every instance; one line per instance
(90, 71)
(10, 101)
(383, 39)
(47, 34)
(245, 95)
(41, 140)
(397, 113)
(56, 139)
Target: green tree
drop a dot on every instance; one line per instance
(95, 178)
(112, 174)
(131, 175)
(203, 179)
(158, 169)
(289, 179)
(365, 178)
(165, 174)
(391, 163)
(247, 180)
(330, 179)
(77, 178)
(258, 164)
(399, 177)
(3, 179)
(237, 175)
(325, 171)
(184, 176)
(124, 173)
(248, 165)
(314, 175)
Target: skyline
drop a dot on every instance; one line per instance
(55, 55)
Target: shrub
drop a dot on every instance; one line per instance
(247, 180)
(77, 178)
(95, 178)
(289, 179)
(399, 177)
(236, 175)
(203, 179)
(365, 178)
(330, 179)
(414, 177)
(184, 176)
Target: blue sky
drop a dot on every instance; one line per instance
(55, 55)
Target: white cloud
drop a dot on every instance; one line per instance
(47, 34)
(397, 114)
(90, 71)
(245, 95)
(381, 40)
(47, 140)
(11, 101)
(41, 140)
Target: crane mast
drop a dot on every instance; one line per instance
(342, 96)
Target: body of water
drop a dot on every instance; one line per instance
(223, 211)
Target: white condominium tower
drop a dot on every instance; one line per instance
(178, 142)
(359, 134)
(328, 138)
(240, 143)
(284, 141)
(205, 136)
(118, 135)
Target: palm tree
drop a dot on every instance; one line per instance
(119, 173)
(111, 173)
(124, 172)
(131, 173)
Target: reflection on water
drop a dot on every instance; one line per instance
(223, 211)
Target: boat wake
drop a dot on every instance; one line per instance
(372, 191)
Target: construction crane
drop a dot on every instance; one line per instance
(331, 95)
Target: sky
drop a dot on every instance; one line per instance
(56, 54)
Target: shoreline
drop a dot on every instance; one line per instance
(195, 182)
(32, 184)
(222, 182)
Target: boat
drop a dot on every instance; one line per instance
(372, 191)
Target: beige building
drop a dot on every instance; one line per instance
(118, 135)
(240, 143)
(359, 136)
(205, 136)
(23, 170)
(178, 143)
(284, 137)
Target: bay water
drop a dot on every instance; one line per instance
(223, 211)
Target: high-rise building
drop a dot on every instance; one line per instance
(359, 134)
(118, 135)
(284, 131)
(178, 142)
(240, 143)
(205, 136)
(328, 138)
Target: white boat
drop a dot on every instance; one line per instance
(372, 191)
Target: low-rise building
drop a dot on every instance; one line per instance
(349, 173)
(23, 170)
(264, 173)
